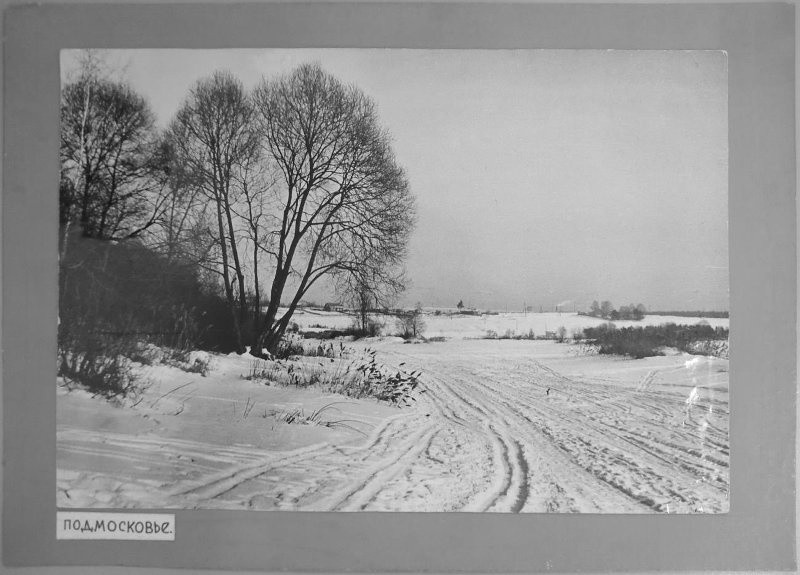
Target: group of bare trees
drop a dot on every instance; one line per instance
(606, 310)
(264, 193)
(111, 177)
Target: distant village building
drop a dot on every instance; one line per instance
(330, 306)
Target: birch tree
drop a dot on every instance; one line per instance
(111, 184)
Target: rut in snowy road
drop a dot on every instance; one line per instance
(502, 431)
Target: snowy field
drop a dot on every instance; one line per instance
(502, 426)
(476, 326)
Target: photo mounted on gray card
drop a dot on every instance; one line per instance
(394, 280)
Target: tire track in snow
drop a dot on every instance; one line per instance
(603, 433)
(522, 493)
(502, 476)
(359, 493)
(381, 435)
(552, 496)
(212, 486)
(509, 489)
(484, 437)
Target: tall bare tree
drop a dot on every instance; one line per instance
(344, 205)
(111, 183)
(180, 232)
(214, 142)
(257, 181)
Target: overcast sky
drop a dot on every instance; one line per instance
(541, 176)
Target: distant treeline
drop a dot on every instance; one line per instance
(606, 310)
(639, 342)
(713, 314)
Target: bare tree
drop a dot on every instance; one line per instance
(367, 290)
(362, 302)
(111, 182)
(214, 143)
(344, 203)
(412, 323)
(180, 231)
(256, 179)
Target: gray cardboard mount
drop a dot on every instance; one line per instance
(758, 533)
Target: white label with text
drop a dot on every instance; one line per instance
(118, 526)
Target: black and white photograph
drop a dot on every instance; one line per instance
(410, 280)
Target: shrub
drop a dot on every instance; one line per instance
(297, 415)
(639, 342)
(377, 381)
(364, 327)
(121, 301)
(198, 362)
(363, 377)
(100, 364)
(411, 324)
(147, 353)
(289, 346)
(295, 345)
(216, 331)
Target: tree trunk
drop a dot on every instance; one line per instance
(226, 279)
(254, 332)
(237, 267)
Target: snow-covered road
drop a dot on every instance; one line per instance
(503, 426)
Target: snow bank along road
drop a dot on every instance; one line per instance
(503, 426)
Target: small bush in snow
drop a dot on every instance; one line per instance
(97, 360)
(109, 376)
(263, 370)
(298, 416)
(717, 348)
(371, 328)
(363, 377)
(386, 385)
(148, 354)
(411, 324)
(296, 346)
(189, 361)
(198, 362)
(290, 346)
